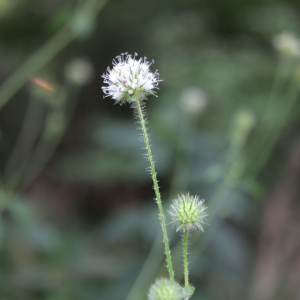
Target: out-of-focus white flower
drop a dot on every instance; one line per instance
(79, 71)
(130, 79)
(287, 43)
(193, 100)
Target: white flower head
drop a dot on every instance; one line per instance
(188, 213)
(130, 79)
(164, 289)
(287, 43)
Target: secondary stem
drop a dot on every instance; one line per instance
(185, 261)
(156, 189)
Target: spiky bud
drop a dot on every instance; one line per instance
(164, 289)
(188, 213)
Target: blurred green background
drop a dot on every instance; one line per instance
(78, 220)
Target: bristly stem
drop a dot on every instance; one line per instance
(185, 261)
(156, 187)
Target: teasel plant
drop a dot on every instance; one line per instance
(130, 80)
(187, 214)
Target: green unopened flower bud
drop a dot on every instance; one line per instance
(164, 289)
(188, 213)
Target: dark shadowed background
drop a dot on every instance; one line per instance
(78, 219)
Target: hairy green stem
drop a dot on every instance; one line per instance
(156, 188)
(185, 261)
(182, 165)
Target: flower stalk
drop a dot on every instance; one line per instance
(185, 260)
(142, 120)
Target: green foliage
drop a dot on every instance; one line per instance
(78, 221)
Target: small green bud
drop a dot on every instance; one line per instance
(164, 289)
(188, 212)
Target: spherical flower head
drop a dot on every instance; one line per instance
(188, 213)
(164, 289)
(130, 79)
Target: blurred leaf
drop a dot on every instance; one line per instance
(273, 18)
(59, 19)
(130, 222)
(20, 211)
(1, 232)
(231, 255)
